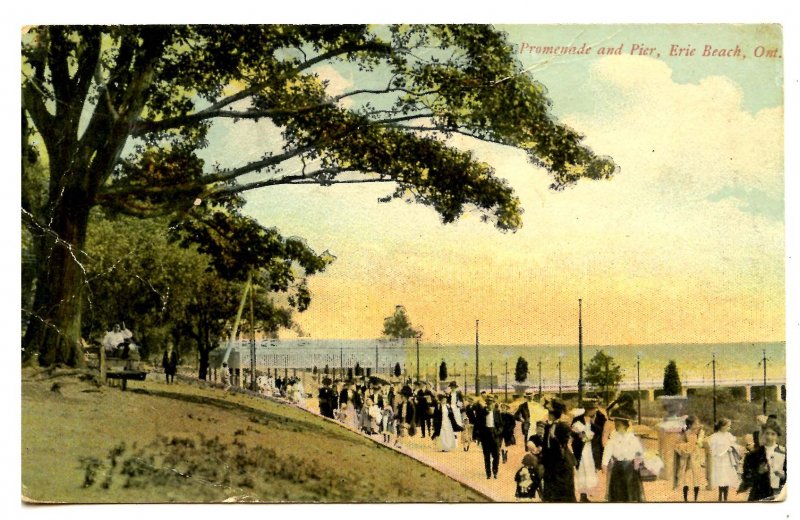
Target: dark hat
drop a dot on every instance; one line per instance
(773, 425)
(541, 423)
(589, 404)
(326, 380)
(562, 432)
(406, 391)
(623, 416)
(556, 405)
(453, 384)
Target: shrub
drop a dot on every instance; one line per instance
(672, 381)
(521, 370)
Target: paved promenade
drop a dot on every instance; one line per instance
(467, 468)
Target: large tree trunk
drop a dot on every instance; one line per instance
(54, 324)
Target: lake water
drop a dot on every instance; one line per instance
(733, 360)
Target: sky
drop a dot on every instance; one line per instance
(684, 244)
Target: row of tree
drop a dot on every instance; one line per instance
(604, 375)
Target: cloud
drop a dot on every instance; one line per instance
(685, 244)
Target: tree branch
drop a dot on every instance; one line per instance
(301, 179)
(215, 110)
(59, 72)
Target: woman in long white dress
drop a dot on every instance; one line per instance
(586, 474)
(443, 425)
(725, 453)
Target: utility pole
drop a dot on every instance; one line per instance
(465, 377)
(477, 365)
(764, 387)
(559, 379)
(506, 386)
(540, 378)
(714, 384)
(580, 353)
(417, 357)
(638, 390)
(252, 341)
(605, 383)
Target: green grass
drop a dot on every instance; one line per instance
(185, 443)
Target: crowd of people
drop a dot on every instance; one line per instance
(567, 455)
(290, 388)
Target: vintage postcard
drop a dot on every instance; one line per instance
(403, 263)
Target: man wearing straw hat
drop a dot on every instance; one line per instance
(523, 414)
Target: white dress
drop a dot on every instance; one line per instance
(586, 475)
(723, 465)
(447, 438)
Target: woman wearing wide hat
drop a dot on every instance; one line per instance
(558, 460)
(622, 458)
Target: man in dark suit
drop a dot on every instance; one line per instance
(489, 423)
(326, 398)
(426, 405)
(523, 414)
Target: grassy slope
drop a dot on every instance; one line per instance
(182, 443)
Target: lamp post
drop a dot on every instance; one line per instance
(417, 337)
(540, 378)
(252, 342)
(580, 353)
(605, 383)
(764, 387)
(491, 377)
(560, 354)
(477, 364)
(714, 384)
(506, 385)
(465, 377)
(638, 390)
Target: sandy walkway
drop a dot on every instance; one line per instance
(467, 468)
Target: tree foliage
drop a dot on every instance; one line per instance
(443, 371)
(397, 369)
(116, 117)
(398, 325)
(603, 374)
(163, 291)
(521, 370)
(672, 380)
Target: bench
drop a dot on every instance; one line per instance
(125, 375)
